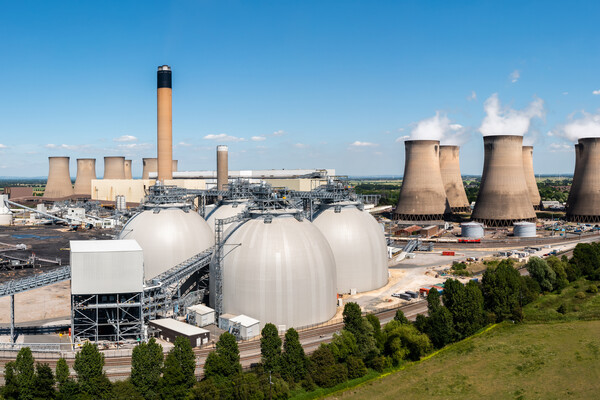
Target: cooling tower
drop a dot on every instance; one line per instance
(503, 195)
(86, 171)
(584, 199)
(114, 168)
(222, 166)
(174, 164)
(422, 196)
(576, 173)
(127, 167)
(59, 179)
(534, 194)
(164, 123)
(452, 179)
(150, 165)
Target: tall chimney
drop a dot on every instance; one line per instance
(114, 168)
(453, 183)
(422, 196)
(164, 123)
(59, 179)
(222, 167)
(503, 195)
(86, 171)
(150, 165)
(534, 193)
(576, 173)
(127, 166)
(584, 199)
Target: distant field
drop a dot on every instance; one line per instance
(526, 361)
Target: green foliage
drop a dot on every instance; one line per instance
(25, 373)
(343, 345)
(362, 330)
(324, 370)
(353, 321)
(559, 267)
(293, 357)
(540, 271)
(421, 323)
(44, 382)
(530, 290)
(592, 289)
(10, 390)
(146, 368)
(62, 371)
(562, 309)
(405, 342)
(501, 290)
(389, 193)
(465, 304)
(379, 363)
(90, 376)
(125, 390)
(377, 334)
(440, 327)
(400, 317)
(270, 348)
(580, 295)
(356, 367)
(247, 386)
(276, 388)
(212, 388)
(178, 373)
(585, 260)
(433, 301)
(225, 360)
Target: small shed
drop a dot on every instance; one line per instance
(170, 329)
(201, 315)
(429, 231)
(407, 231)
(246, 327)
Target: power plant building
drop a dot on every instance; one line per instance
(452, 179)
(584, 200)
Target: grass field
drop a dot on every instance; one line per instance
(526, 361)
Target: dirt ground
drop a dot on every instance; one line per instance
(49, 302)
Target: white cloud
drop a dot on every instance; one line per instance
(224, 138)
(363, 144)
(557, 147)
(73, 147)
(125, 138)
(514, 76)
(279, 133)
(258, 138)
(402, 138)
(439, 127)
(300, 145)
(3, 146)
(596, 92)
(506, 121)
(184, 144)
(584, 125)
(472, 96)
(135, 146)
(565, 93)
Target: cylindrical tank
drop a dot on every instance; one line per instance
(584, 199)
(222, 167)
(472, 230)
(422, 196)
(150, 165)
(226, 209)
(86, 171)
(59, 180)
(358, 244)
(164, 130)
(279, 269)
(114, 168)
(452, 179)
(534, 193)
(524, 229)
(6, 216)
(127, 168)
(503, 195)
(168, 237)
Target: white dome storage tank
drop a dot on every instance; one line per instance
(6, 216)
(227, 209)
(358, 244)
(472, 230)
(524, 229)
(168, 237)
(279, 269)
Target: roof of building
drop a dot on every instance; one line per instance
(201, 309)
(245, 320)
(93, 246)
(178, 326)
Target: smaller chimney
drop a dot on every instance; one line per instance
(222, 167)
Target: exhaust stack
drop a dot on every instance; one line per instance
(534, 193)
(453, 183)
(222, 166)
(422, 196)
(114, 168)
(164, 123)
(86, 171)
(503, 195)
(59, 180)
(150, 165)
(127, 166)
(584, 198)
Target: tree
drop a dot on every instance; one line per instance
(293, 358)
(440, 327)
(10, 390)
(356, 367)
(377, 334)
(559, 268)
(405, 342)
(62, 371)
(502, 290)
(225, 360)
(421, 323)
(586, 259)
(89, 364)
(530, 290)
(125, 390)
(270, 348)
(44, 382)
(178, 374)
(67, 387)
(25, 373)
(540, 271)
(324, 369)
(400, 317)
(247, 386)
(343, 345)
(465, 304)
(433, 300)
(353, 321)
(146, 368)
(362, 331)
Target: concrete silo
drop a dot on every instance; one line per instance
(86, 171)
(584, 199)
(358, 244)
(422, 196)
(127, 168)
(114, 168)
(150, 165)
(534, 193)
(503, 195)
(453, 183)
(59, 180)
(278, 268)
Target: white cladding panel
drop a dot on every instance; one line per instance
(229, 208)
(106, 266)
(282, 272)
(359, 247)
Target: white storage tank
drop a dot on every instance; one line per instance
(168, 236)
(279, 269)
(472, 230)
(6, 216)
(524, 229)
(227, 209)
(358, 244)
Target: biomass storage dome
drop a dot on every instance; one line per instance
(168, 237)
(227, 209)
(279, 269)
(358, 244)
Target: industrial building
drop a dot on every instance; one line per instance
(452, 179)
(170, 329)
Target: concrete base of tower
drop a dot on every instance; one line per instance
(501, 223)
(585, 219)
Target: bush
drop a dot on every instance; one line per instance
(592, 289)
(580, 295)
(562, 309)
(379, 363)
(325, 371)
(356, 367)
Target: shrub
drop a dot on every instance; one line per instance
(356, 367)
(562, 309)
(580, 295)
(379, 363)
(592, 289)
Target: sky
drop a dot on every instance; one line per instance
(296, 84)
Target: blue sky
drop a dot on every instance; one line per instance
(323, 84)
